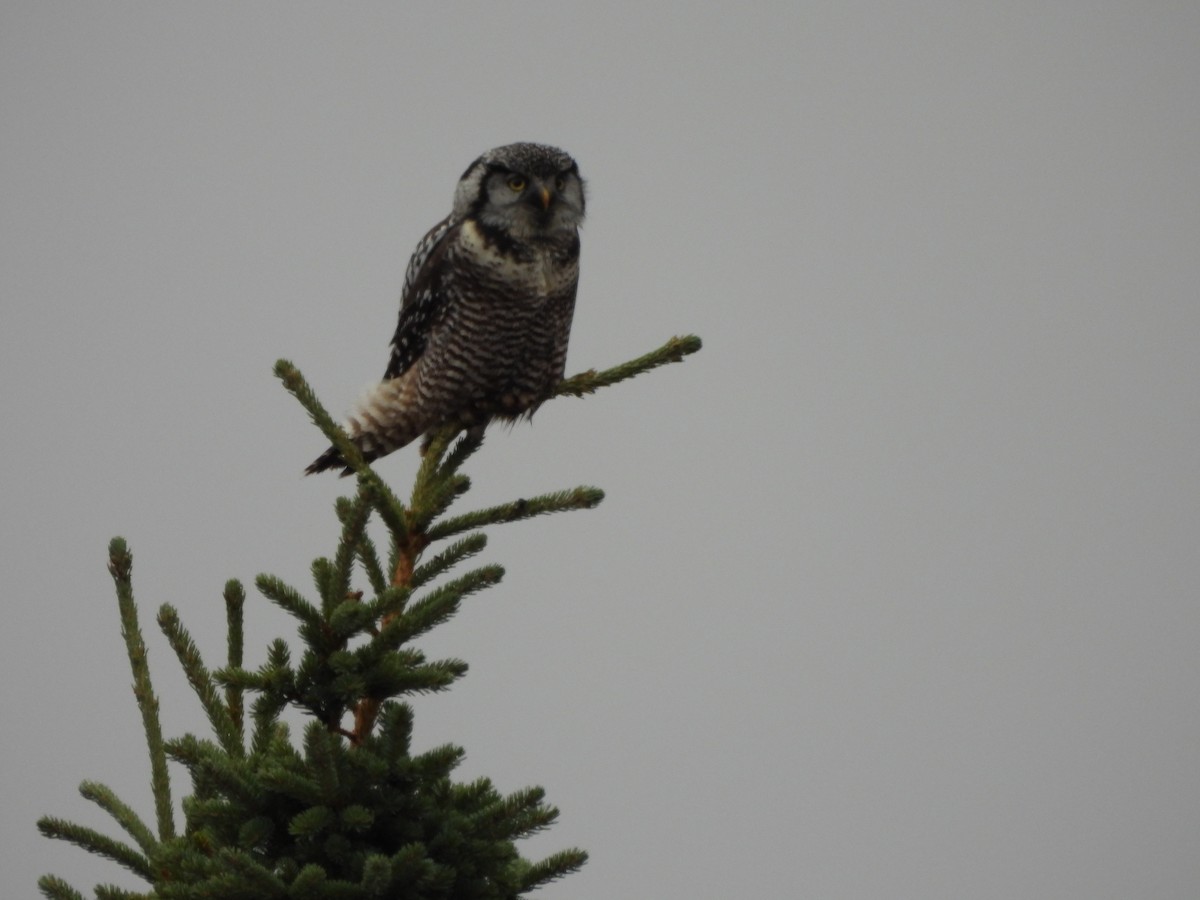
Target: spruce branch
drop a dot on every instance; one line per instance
(368, 557)
(235, 602)
(591, 381)
(365, 551)
(120, 565)
(561, 501)
(292, 784)
(407, 672)
(201, 681)
(321, 752)
(322, 570)
(522, 814)
(243, 874)
(436, 497)
(439, 762)
(354, 524)
(95, 842)
(289, 600)
(353, 618)
(211, 768)
(438, 483)
(438, 606)
(377, 876)
(432, 451)
(54, 888)
(389, 604)
(277, 685)
(448, 558)
(385, 502)
(265, 712)
(112, 892)
(553, 867)
(460, 453)
(103, 796)
(286, 372)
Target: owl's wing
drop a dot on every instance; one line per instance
(421, 301)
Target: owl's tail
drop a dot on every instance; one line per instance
(370, 446)
(330, 459)
(388, 416)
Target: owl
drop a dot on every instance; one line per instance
(485, 312)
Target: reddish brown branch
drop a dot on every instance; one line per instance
(367, 709)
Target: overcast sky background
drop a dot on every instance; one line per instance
(894, 591)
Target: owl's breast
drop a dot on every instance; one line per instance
(527, 270)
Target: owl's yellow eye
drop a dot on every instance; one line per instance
(517, 183)
(560, 183)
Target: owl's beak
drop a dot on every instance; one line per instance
(545, 198)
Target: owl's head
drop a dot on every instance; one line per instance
(526, 190)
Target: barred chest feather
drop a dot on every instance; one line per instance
(536, 270)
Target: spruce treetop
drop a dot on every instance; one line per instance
(345, 810)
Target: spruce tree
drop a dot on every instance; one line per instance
(347, 811)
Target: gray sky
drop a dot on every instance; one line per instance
(894, 592)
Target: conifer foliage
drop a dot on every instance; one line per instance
(347, 811)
